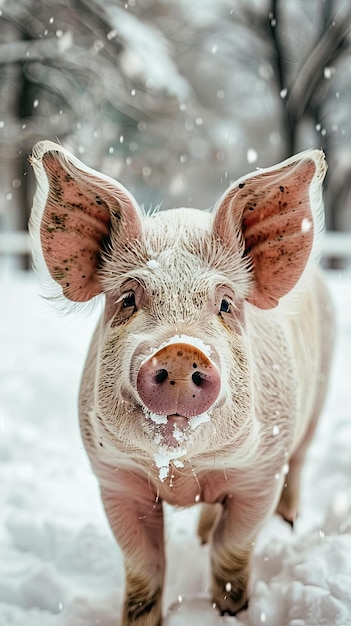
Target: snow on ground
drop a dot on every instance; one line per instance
(59, 564)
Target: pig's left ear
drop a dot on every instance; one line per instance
(275, 214)
(76, 212)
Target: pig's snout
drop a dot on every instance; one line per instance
(179, 379)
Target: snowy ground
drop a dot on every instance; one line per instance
(59, 565)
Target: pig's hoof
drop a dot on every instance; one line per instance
(243, 608)
(291, 522)
(288, 514)
(231, 602)
(138, 612)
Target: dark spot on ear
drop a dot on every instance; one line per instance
(241, 185)
(281, 188)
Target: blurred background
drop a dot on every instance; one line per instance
(174, 98)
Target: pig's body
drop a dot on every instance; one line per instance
(182, 297)
(283, 364)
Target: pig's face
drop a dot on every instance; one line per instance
(173, 369)
(173, 362)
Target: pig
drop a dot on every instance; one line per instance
(208, 368)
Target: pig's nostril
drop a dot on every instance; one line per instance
(161, 376)
(198, 379)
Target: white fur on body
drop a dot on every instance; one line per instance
(274, 365)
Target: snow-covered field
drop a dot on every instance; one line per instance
(59, 564)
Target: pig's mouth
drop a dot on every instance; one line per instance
(178, 420)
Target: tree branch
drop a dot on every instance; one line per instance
(36, 50)
(312, 71)
(278, 58)
(288, 124)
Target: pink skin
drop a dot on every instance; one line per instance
(178, 379)
(214, 277)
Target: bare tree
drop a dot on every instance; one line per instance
(309, 94)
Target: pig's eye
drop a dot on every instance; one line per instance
(225, 306)
(128, 300)
(127, 303)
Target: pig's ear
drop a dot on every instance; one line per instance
(275, 215)
(75, 210)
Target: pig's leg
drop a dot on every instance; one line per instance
(137, 524)
(289, 501)
(208, 518)
(232, 544)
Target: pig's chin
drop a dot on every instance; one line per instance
(172, 431)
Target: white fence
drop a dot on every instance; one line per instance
(337, 244)
(13, 243)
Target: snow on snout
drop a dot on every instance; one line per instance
(196, 342)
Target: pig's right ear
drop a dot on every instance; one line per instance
(74, 212)
(274, 218)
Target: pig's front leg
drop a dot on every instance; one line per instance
(232, 543)
(136, 519)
